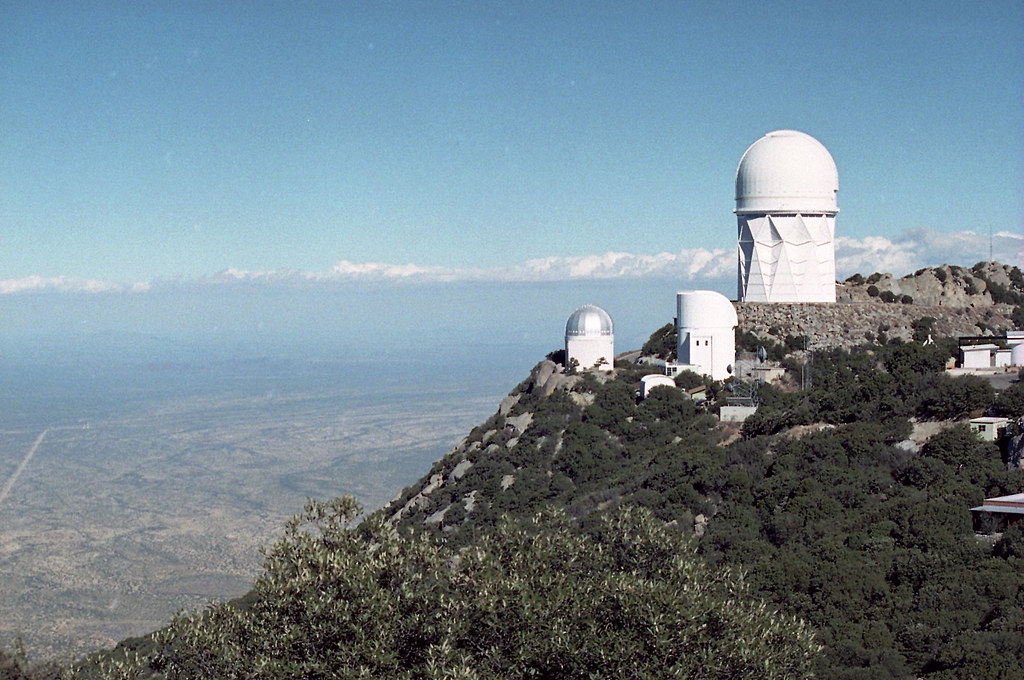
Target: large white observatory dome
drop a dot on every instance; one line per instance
(590, 339)
(787, 171)
(589, 321)
(786, 209)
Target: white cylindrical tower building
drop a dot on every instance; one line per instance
(786, 209)
(590, 339)
(706, 323)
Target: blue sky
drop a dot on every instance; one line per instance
(154, 140)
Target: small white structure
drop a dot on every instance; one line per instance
(978, 356)
(706, 324)
(1002, 357)
(768, 374)
(786, 186)
(649, 382)
(735, 414)
(590, 339)
(989, 427)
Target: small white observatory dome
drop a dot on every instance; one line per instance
(590, 338)
(706, 323)
(787, 171)
(589, 321)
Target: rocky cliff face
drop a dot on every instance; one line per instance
(853, 323)
(945, 286)
(962, 301)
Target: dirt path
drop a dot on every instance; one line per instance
(24, 463)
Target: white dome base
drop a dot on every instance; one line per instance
(787, 258)
(589, 351)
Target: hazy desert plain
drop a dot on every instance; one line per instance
(137, 487)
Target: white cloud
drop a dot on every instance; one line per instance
(913, 249)
(63, 284)
(686, 265)
(346, 270)
(904, 253)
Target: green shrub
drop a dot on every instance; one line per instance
(662, 343)
(537, 598)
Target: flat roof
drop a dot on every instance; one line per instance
(987, 420)
(971, 348)
(1012, 504)
(1000, 509)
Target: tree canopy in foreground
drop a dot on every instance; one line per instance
(541, 598)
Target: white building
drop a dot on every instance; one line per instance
(590, 339)
(989, 427)
(649, 382)
(706, 323)
(786, 186)
(998, 513)
(978, 356)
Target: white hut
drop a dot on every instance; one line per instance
(977, 356)
(649, 382)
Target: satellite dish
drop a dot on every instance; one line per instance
(762, 354)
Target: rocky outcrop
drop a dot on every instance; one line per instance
(962, 302)
(945, 286)
(854, 323)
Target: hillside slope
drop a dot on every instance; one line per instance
(575, 505)
(848, 524)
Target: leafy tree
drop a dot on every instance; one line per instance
(557, 356)
(949, 398)
(662, 343)
(1010, 401)
(923, 327)
(538, 598)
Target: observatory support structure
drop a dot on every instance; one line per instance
(787, 258)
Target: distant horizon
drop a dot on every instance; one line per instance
(715, 269)
(147, 144)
